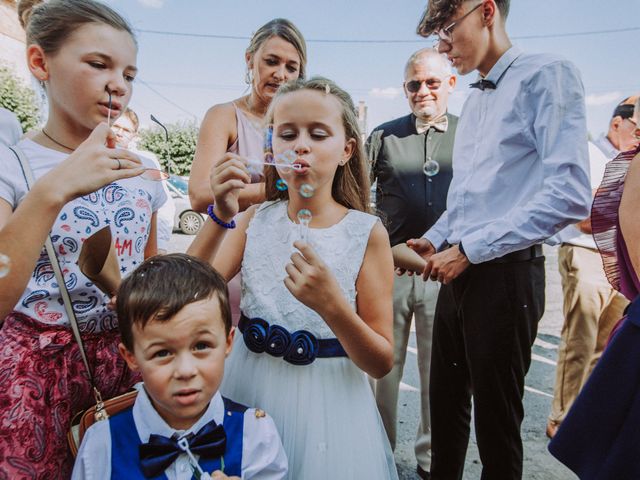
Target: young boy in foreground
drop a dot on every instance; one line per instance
(176, 331)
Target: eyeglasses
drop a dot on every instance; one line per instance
(636, 133)
(446, 34)
(432, 84)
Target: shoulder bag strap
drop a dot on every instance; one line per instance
(28, 175)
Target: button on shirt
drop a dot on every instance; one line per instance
(520, 163)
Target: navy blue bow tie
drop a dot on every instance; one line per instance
(483, 84)
(160, 452)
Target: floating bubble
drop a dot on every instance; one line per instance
(304, 217)
(268, 157)
(282, 163)
(281, 185)
(307, 190)
(5, 265)
(290, 156)
(431, 168)
(255, 166)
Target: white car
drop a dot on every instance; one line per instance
(186, 219)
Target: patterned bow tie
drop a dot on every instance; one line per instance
(160, 452)
(441, 124)
(483, 84)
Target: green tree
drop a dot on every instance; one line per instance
(176, 153)
(19, 98)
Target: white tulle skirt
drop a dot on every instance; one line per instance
(325, 413)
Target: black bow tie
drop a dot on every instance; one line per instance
(160, 452)
(483, 84)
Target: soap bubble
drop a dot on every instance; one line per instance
(304, 217)
(431, 168)
(307, 190)
(281, 185)
(282, 163)
(5, 265)
(290, 156)
(255, 166)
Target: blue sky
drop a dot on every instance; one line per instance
(196, 73)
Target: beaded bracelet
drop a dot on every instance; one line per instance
(231, 224)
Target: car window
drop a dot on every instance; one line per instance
(179, 183)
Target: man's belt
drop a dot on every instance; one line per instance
(523, 255)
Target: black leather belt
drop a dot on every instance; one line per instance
(523, 255)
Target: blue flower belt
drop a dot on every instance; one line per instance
(298, 348)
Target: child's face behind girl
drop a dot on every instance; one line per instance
(95, 58)
(309, 122)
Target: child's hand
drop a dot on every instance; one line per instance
(310, 280)
(228, 176)
(93, 165)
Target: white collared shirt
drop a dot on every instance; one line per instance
(520, 164)
(263, 455)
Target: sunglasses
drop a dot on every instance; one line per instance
(413, 86)
(636, 133)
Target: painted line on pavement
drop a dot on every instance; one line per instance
(540, 358)
(538, 392)
(408, 388)
(543, 344)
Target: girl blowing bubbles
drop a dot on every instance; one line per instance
(316, 315)
(82, 52)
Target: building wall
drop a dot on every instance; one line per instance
(12, 40)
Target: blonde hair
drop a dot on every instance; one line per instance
(49, 24)
(351, 185)
(283, 28)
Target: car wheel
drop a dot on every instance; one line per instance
(190, 223)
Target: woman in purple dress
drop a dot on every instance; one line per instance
(600, 437)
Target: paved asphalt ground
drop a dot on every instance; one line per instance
(538, 463)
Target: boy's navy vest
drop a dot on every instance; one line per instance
(125, 459)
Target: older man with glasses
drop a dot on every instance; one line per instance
(591, 306)
(520, 174)
(411, 161)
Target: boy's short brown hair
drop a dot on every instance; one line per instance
(438, 12)
(161, 286)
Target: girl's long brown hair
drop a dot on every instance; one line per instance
(351, 185)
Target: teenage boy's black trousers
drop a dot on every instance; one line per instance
(485, 323)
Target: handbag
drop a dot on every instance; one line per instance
(103, 408)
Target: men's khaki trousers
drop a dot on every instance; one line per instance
(412, 296)
(591, 309)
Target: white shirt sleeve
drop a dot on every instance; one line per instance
(263, 456)
(10, 129)
(438, 232)
(94, 456)
(555, 104)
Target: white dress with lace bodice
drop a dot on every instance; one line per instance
(325, 411)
